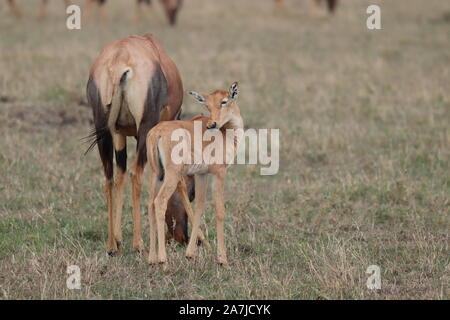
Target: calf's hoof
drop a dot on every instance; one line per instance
(152, 260)
(222, 262)
(164, 265)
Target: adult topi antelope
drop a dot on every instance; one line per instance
(133, 84)
(224, 117)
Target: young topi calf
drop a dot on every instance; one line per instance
(225, 117)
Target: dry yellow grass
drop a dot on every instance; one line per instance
(364, 174)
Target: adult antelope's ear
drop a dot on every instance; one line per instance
(233, 91)
(198, 96)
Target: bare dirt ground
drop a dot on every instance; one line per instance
(364, 174)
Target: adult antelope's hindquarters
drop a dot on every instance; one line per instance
(133, 84)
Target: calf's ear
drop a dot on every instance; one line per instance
(233, 92)
(198, 97)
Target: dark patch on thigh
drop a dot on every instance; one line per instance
(157, 96)
(100, 130)
(100, 136)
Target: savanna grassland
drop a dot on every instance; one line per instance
(364, 153)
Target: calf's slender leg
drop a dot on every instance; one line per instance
(152, 257)
(218, 189)
(200, 195)
(182, 190)
(167, 189)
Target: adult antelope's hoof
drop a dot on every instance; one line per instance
(112, 253)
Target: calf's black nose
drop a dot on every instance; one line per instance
(213, 125)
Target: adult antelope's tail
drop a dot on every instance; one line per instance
(119, 82)
(100, 95)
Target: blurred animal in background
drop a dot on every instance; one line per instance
(42, 10)
(133, 84)
(331, 4)
(98, 5)
(171, 8)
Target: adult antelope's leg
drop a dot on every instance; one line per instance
(43, 9)
(332, 5)
(182, 190)
(315, 7)
(140, 4)
(167, 189)
(102, 12)
(136, 181)
(120, 148)
(138, 10)
(14, 9)
(137, 170)
(152, 257)
(105, 148)
(279, 2)
(200, 201)
(218, 190)
(88, 4)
